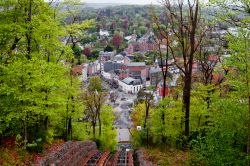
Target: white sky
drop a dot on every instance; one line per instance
(123, 1)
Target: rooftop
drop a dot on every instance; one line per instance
(137, 64)
(155, 70)
(128, 80)
(118, 57)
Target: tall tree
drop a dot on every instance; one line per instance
(117, 40)
(184, 21)
(32, 76)
(237, 14)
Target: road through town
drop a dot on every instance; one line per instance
(122, 108)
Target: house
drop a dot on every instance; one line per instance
(106, 56)
(130, 85)
(130, 49)
(131, 38)
(84, 76)
(118, 58)
(106, 75)
(137, 69)
(94, 68)
(169, 86)
(81, 70)
(155, 76)
(160, 89)
(103, 34)
(127, 60)
(111, 66)
(123, 74)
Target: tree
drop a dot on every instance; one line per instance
(184, 26)
(146, 97)
(75, 28)
(113, 97)
(31, 58)
(117, 40)
(78, 54)
(226, 134)
(95, 54)
(108, 48)
(94, 102)
(237, 14)
(87, 51)
(95, 84)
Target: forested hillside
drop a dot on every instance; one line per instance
(169, 82)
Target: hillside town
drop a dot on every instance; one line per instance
(124, 83)
(124, 72)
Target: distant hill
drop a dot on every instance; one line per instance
(102, 5)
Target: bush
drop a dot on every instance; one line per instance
(35, 146)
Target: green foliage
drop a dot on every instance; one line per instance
(225, 141)
(170, 127)
(108, 137)
(95, 84)
(35, 146)
(77, 53)
(108, 48)
(37, 90)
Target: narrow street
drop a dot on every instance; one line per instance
(122, 109)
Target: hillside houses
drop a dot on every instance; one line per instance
(131, 73)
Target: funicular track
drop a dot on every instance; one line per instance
(86, 154)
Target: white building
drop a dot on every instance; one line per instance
(119, 58)
(103, 33)
(106, 75)
(131, 38)
(130, 85)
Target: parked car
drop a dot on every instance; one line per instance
(123, 98)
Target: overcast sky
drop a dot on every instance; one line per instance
(123, 1)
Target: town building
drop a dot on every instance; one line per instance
(103, 34)
(118, 58)
(137, 70)
(94, 68)
(111, 66)
(130, 85)
(155, 76)
(130, 49)
(106, 56)
(81, 71)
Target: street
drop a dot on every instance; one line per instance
(122, 108)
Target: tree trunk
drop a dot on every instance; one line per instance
(25, 133)
(93, 125)
(163, 138)
(46, 120)
(163, 96)
(66, 121)
(28, 34)
(164, 85)
(70, 128)
(146, 115)
(248, 137)
(100, 125)
(186, 102)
